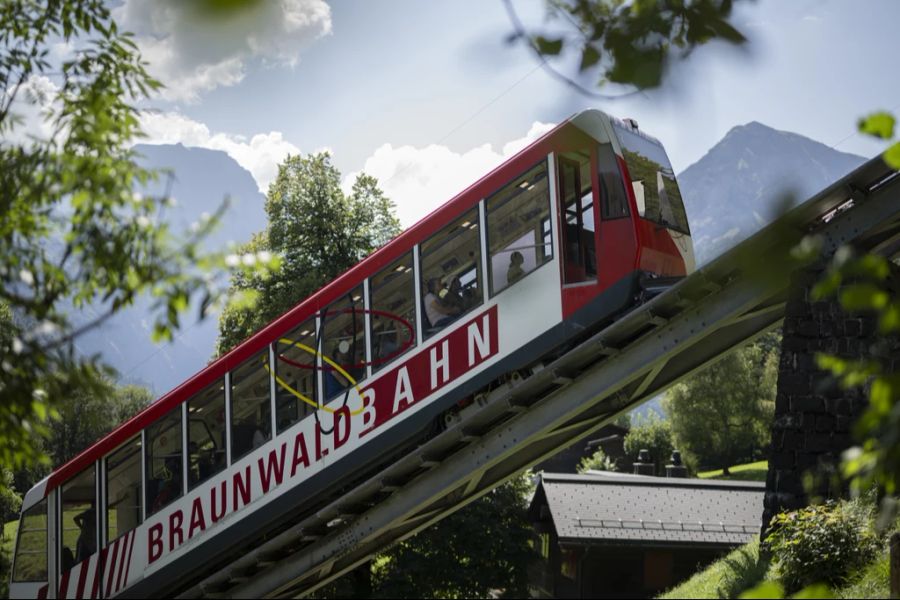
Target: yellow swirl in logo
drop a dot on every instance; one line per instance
(331, 363)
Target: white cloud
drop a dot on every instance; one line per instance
(259, 154)
(33, 102)
(419, 180)
(193, 51)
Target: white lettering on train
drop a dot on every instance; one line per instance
(271, 469)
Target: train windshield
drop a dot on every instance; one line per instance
(655, 189)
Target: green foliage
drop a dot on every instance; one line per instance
(73, 232)
(824, 543)
(88, 415)
(315, 232)
(880, 124)
(630, 42)
(653, 434)
(865, 283)
(481, 548)
(721, 415)
(598, 461)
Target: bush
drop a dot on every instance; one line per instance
(598, 461)
(826, 543)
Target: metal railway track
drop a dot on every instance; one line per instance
(727, 303)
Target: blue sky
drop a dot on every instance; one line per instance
(421, 88)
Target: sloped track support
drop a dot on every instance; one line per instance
(716, 309)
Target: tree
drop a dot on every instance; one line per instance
(650, 433)
(722, 415)
(73, 232)
(627, 42)
(315, 231)
(481, 548)
(86, 416)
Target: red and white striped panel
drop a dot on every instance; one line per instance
(103, 575)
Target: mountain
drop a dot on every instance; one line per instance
(729, 193)
(739, 185)
(200, 180)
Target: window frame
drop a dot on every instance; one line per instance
(142, 494)
(544, 234)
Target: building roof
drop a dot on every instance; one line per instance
(601, 507)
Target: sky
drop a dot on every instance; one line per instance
(427, 96)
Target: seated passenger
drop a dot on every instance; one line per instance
(87, 539)
(455, 298)
(515, 271)
(438, 313)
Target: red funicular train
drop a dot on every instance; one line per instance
(552, 244)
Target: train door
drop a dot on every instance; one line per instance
(578, 219)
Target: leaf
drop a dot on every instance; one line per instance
(590, 56)
(547, 46)
(879, 124)
(767, 589)
(892, 156)
(864, 296)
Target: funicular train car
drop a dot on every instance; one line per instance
(552, 244)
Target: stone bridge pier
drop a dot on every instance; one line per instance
(814, 417)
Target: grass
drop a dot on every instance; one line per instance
(749, 472)
(725, 578)
(736, 573)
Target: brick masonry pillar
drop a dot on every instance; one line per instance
(813, 415)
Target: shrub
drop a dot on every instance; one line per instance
(825, 543)
(598, 461)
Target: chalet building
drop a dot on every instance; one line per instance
(613, 535)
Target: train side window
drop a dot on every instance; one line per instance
(206, 434)
(31, 546)
(164, 467)
(251, 406)
(78, 505)
(344, 344)
(577, 202)
(123, 489)
(393, 311)
(451, 273)
(613, 198)
(296, 390)
(518, 227)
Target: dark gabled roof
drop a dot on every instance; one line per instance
(600, 507)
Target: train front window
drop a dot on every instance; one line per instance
(206, 434)
(123, 489)
(344, 344)
(31, 546)
(451, 273)
(79, 519)
(251, 406)
(164, 469)
(655, 189)
(613, 199)
(518, 226)
(577, 202)
(296, 391)
(393, 314)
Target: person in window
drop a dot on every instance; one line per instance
(87, 539)
(438, 313)
(259, 435)
(455, 298)
(171, 485)
(515, 271)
